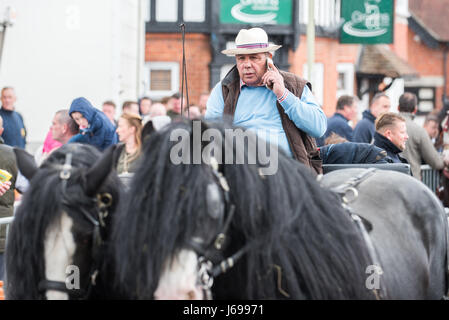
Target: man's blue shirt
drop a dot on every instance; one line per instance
(364, 130)
(256, 110)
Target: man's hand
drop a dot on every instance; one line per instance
(274, 79)
(4, 187)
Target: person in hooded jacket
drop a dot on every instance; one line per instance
(95, 128)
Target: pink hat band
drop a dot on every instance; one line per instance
(252, 45)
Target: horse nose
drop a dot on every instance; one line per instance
(192, 294)
(195, 294)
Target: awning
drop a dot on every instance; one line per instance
(379, 60)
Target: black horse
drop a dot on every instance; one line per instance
(234, 230)
(55, 247)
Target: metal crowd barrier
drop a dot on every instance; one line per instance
(6, 222)
(430, 177)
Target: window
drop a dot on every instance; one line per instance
(317, 81)
(194, 10)
(426, 98)
(178, 10)
(327, 12)
(161, 79)
(167, 10)
(345, 81)
(147, 10)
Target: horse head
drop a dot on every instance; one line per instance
(55, 248)
(207, 228)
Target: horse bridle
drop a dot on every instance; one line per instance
(103, 202)
(207, 269)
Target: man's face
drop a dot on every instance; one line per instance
(380, 106)
(133, 108)
(57, 129)
(176, 103)
(252, 67)
(431, 128)
(145, 106)
(109, 111)
(398, 135)
(8, 99)
(351, 111)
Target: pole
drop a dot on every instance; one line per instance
(311, 41)
(2, 40)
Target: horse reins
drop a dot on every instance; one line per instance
(103, 202)
(364, 226)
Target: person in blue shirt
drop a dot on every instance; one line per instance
(364, 130)
(14, 134)
(95, 128)
(346, 111)
(262, 98)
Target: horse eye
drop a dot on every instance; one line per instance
(215, 205)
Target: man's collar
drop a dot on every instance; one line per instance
(338, 114)
(407, 115)
(244, 84)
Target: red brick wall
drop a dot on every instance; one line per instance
(328, 52)
(401, 40)
(428, 62)
(168, 48)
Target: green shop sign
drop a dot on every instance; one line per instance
(367, 21)
(256, 11)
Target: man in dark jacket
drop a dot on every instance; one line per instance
(352, 152)
(391, 135)
(15, 132)
(262, 98)
(7, 163)
(346, 111)
(364, 130)
(95, 128)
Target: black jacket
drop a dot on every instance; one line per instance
(392, 151)
(8, 163)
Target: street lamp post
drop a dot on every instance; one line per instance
(311, 41)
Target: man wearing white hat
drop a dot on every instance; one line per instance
(260, 97)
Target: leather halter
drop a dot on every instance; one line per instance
(102, 202)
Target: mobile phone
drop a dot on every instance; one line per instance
(269, 61)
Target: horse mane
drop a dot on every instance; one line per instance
(303, 235)
(39, 208)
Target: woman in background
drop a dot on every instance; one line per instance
(129, 131)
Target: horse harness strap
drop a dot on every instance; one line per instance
(103, 202)
(207, 271)
(344, 191)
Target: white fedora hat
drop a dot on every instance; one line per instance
(248, 41)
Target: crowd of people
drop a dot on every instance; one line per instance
(81, 122)
(257, 96)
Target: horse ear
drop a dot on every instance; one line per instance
(98, 173)
(26, 163)
(147, 129)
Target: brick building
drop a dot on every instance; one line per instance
(415, 61)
